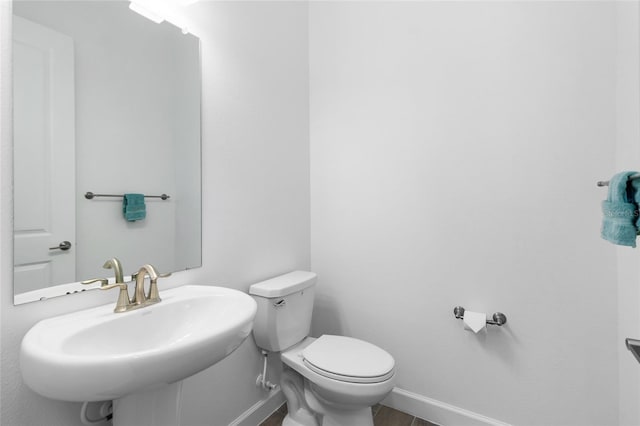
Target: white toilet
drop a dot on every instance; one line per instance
(328, 381)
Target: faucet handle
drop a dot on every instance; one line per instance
(124, 301)
(154, 294)
(135, 275)
(105, 286)
(123, 298)
(103, 281)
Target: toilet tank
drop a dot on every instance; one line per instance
(285, 305)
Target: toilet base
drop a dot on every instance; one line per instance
(299, 413)
(351, 418)
(335, 415)
(307, 409)
(288, 421)
(354, 417)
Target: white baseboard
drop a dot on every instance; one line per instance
(417, 405)
(436, 411)
(260, 410)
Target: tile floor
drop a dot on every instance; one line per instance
(382, 416)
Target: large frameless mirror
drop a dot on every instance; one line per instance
(105, 102)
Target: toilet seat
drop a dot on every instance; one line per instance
(349, 360)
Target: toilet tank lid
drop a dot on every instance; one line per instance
(284, 285)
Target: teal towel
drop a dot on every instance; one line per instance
(634, 188)
(620, 223)
(133, 207)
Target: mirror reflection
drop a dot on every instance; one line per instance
(108, 102)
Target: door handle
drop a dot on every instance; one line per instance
(64, 246)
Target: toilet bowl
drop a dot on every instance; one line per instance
(328, 381)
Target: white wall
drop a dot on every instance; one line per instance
(255, 172)
(628, 158)
(455, 148)
(255, 197)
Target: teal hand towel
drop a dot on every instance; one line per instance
(133, 207)
(633, 193)
(620, 209)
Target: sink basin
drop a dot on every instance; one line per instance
(96, 354)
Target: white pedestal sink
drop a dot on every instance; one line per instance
(137, 358)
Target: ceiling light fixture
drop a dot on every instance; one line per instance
(163, 10)
(136, 7)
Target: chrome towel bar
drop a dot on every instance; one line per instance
(91, 195)
(606, 182)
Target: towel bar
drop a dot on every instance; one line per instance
(499, 318)
(606, 182)
(91, 195)
(634, 347)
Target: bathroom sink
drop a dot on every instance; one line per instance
(96, 354)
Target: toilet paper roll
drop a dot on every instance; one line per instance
(474, 321)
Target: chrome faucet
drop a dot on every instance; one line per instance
(140, 300)
(124, 302)
(117, 268)
(153, 296)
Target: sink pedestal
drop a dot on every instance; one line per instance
(155, 407)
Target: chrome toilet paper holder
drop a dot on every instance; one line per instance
(499, 318)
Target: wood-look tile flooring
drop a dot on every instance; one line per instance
(382, 416)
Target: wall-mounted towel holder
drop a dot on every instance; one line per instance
(606, 182)
(634, 347)
(499, 318)
(91, 195)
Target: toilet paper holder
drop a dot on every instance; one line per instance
(499, 318)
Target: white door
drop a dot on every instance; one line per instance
(44, 156)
